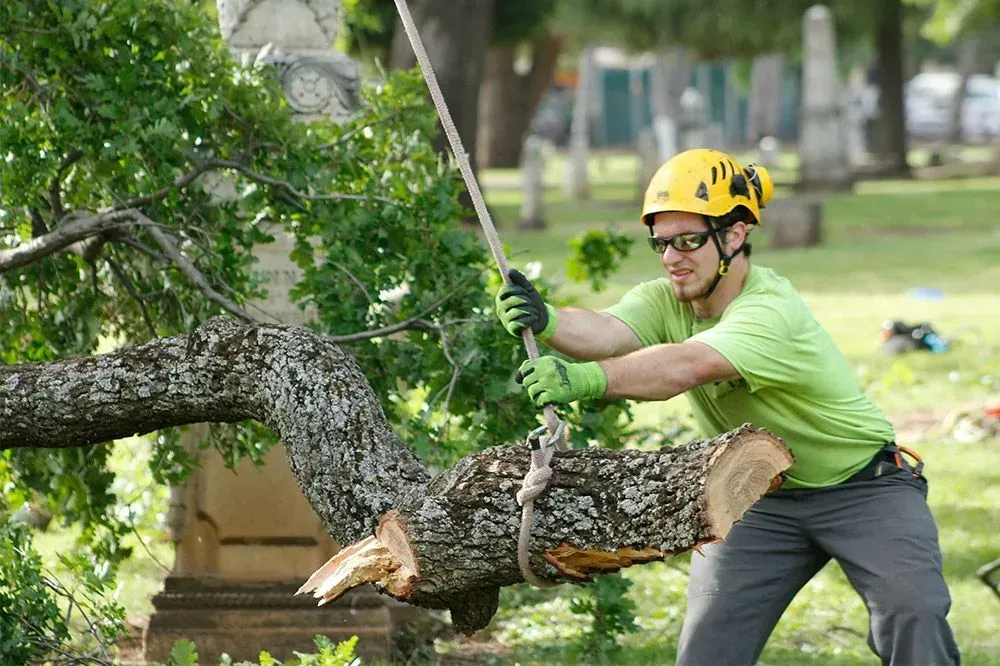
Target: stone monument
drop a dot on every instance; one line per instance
(764, 112)
(577, 181)
(532, 185)
(246, 538)
(649, 160)
(822, 144)
(856, 114)
(295, 37)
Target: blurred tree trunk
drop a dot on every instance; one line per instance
(968, 57)
(889, 73)
(508, 100)
(455, 34)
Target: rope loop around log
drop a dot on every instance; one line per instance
(542, 447)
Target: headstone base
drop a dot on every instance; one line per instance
(244, 620)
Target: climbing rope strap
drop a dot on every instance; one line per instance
(489, 229)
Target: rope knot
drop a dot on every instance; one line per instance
(534, 483)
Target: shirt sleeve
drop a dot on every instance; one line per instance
(758, 340)
(641, 309)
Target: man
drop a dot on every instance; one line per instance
(743, 346)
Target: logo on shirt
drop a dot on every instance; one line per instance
(726, 389)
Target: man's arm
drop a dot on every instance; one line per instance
(592, 336)
(576, 332)
(663, 371)
(654, 373)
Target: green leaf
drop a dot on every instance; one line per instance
(184, 653)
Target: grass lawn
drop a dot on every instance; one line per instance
(879, 244)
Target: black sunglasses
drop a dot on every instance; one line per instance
(686, 242)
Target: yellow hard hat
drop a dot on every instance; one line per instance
(706, 182)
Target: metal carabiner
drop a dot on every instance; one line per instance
(539, 438)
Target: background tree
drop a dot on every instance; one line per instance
(520, 63)
(508, 98)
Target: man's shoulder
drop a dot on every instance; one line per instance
(769, 298)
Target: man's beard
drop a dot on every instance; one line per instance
(689, 291)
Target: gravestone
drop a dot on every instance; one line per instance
(295, 37)
(856, 114)
(793, 222)
(246, 538)
(577, 180)
(764, 103)
(821, 140)
(649, 160)
(532, 185)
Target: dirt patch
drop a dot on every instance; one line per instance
(482, 647)
(912, 427)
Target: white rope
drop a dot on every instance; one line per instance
(455, 141)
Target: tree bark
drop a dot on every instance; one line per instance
(508, 100)
(602, 511)
(889, 45)
(292, 380)
(448, 542)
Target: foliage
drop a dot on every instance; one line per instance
(36, 609)
(611, 612)
(120, 105)
(952, 18)
(717, 28)
(23, 595)
(597, 254)
(184, 653)
(371, 24)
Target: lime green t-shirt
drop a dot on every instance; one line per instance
(794, 381)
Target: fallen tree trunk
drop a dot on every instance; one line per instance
(448, 542)
(456, 545)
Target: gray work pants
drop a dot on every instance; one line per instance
(879, 531)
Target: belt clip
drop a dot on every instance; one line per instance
(920, 461)
(901, 463)
(539, 438)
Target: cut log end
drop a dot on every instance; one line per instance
(741, 472)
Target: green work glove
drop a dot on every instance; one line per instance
(519, 305)
(551, 380)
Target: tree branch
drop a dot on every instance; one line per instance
(64, 236)
(192, 273)
(287, 187)
(450, 542)
(412, 322)
(130, 288)
(294, 381)
(55, 187)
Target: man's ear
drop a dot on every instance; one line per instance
(737, 234)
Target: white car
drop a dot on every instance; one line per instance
(928, 106)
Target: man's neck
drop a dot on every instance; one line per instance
(729, 287)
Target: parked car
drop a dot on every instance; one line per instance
(928, 106)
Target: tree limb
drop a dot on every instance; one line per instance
(287, 187)
(64, 236)
(449, 542)
(294, 381)
(55, 187)
(413, 322)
